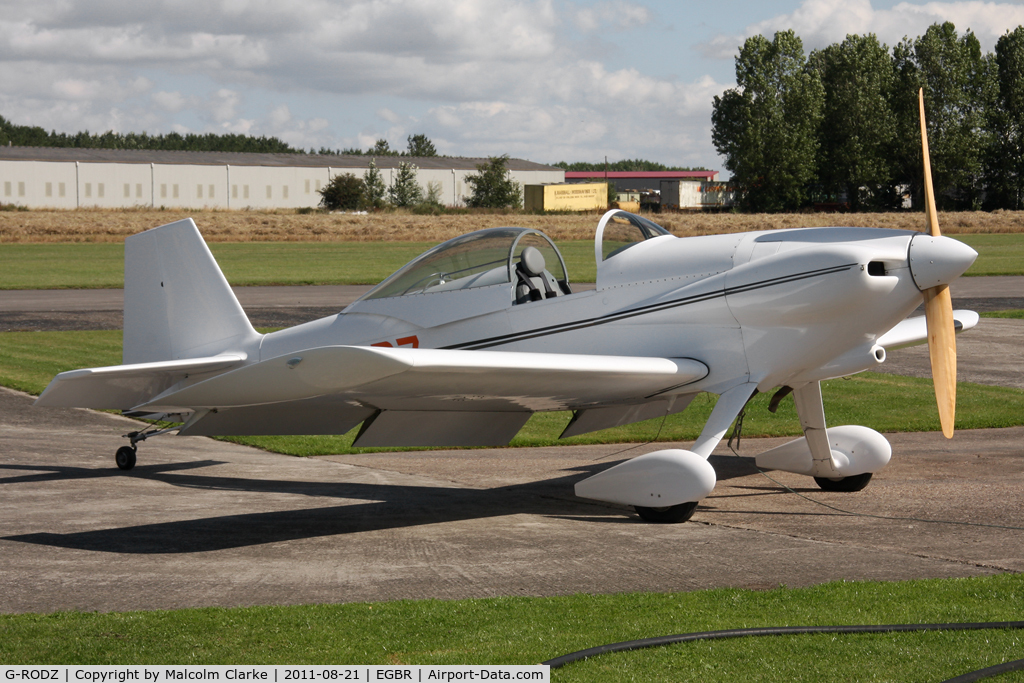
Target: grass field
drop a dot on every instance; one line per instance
(113, 225)
(90, 265)
(1016, 314)
(518, 630)
(97, 265)
(28, 360)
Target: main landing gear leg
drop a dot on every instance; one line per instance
(125, 456)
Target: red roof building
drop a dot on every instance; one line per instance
(635, 175)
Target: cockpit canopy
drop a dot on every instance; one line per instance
(620, 230)
(478, 259)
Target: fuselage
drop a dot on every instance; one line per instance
(774, 308)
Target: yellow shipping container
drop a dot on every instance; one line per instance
(566, 197)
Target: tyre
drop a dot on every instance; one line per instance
(672, 514)
(125, 457)
(844, 484)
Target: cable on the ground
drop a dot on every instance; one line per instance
(631, 645)
(889, 517)
(736, 433)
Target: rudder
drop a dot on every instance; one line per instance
(177, 303)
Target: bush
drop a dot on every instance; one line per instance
(405, 191)
(343, 193)
(493, 188)
(375, 190)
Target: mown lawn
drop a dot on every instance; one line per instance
(95, 265)
(521, 630)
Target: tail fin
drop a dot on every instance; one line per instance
(177, 303)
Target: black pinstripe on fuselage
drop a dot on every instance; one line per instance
(644, 310)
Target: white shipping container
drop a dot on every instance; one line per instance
(680, 194)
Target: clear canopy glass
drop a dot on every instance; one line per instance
(478, 259)
(624, 230)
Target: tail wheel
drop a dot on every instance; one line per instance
(844, 484)
(672, 514)
(125, 457)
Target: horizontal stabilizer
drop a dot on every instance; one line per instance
(914, 331)
(438, 379)
(120, 387)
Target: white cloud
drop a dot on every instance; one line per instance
(388, 115)
(615, 14)
(172, 102)
(484, 76)
(820, 23)
(223, 105)
(280, 116)
(665, 120)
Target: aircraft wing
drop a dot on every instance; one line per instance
(914, 331)
(436, 380)
(120, 387)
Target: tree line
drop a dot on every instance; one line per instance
(623, 165)
(419, 145)
(841, 124)
(34, 136)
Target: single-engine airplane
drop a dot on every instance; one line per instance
(463, 344)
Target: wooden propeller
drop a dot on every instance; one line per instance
(938, 308)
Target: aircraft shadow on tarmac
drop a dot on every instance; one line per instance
(385, 507)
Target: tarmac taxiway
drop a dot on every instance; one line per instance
(200, 522)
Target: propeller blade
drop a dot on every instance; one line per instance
(938, 307)
(938, 310)
(929, 191)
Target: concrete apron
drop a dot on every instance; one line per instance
(205, 523)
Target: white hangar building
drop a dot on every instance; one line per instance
(69, 178)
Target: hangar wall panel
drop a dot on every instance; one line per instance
(190, 186)
(265, 187)
(67, 184)
(38, 184)
(112, 186)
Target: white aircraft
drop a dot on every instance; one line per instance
(463, 344)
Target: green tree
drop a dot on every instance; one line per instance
(405, 191)
(1004, 164)
(34, 136)
(381, 148)
(766, 127)
(858, 127)
(420, 146)
(624, 165)
(343, 193)
(959, 85)
(433, 197)
(493, 187)
(374, 189)
(431, 203)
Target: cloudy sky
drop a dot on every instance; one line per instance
(545, 80)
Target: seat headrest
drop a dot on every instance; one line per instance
(533, 261)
